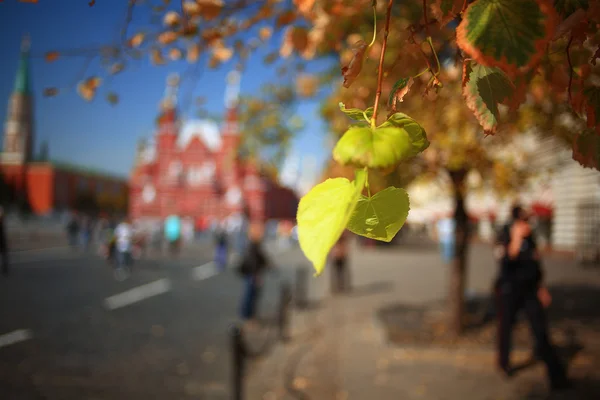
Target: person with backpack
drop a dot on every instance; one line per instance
(252, 267)
(519, 287)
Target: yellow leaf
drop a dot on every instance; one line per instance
(50, 92)
(156, 57)
(167, 37)
(51, 56)
(87, 88)
(136, 40)
(193, 53)
(172, 19)
(265, 33)
(323, 214)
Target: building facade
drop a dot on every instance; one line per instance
(45, 186)
(193, 170)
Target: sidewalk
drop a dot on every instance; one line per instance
(340, 350)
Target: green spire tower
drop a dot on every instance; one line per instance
(18, 129)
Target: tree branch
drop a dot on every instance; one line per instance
(386, 31)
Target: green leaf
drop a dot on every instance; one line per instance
(417, 134)
(323, 214)
(400, 90)
(380, 216)
(356, 113)
(484, 88)
(506, 33)
(381, 147)
(586, 149)
(568, 7)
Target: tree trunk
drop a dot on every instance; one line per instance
(459, 262)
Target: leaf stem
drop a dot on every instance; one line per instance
(386, 31)
(374, 23)
(421, 73)
(367, 181)
(437, 60)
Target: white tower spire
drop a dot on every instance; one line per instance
(232, 91)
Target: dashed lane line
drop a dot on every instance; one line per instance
(204, 271)
(14, 337)
(138, 293)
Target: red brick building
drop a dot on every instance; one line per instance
(193, 170)
(45, 186)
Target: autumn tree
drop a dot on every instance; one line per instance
(558, 45)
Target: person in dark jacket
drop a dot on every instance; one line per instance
(252, 268)
(520, 287)
(3, 244)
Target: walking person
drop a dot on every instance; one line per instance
(340, 273)
(252, 267)
(221, 249)
(123, 244)
(73, 230)
(520, 287)
(3, 244)
(445, 232)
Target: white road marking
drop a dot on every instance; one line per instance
(137, 294)
(204, 271)
(13, 337)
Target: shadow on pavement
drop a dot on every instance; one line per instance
(372, 288)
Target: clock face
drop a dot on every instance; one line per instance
(148, 194)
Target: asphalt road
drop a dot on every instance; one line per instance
(69, 330)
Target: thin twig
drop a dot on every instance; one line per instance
(128, 19)
(570, 67)
(386, 31)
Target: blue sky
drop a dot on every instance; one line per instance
(97, 134)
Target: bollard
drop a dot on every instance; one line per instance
(301, 287)
(284, 311)
(238, 355)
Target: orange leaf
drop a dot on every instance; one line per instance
(28, 1)
(87, 88)
(50, 92)
(167, 37)
(213, 62)
(136, 40)
(52, 56)
(156, 57)
(171, 19)
(193, 53)
(285, 18)
(210, 9)
(307, 85)
(446, 10)
(175, 54)
(304, 6)
(351, 71)
(223, 54)
(265, 33)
